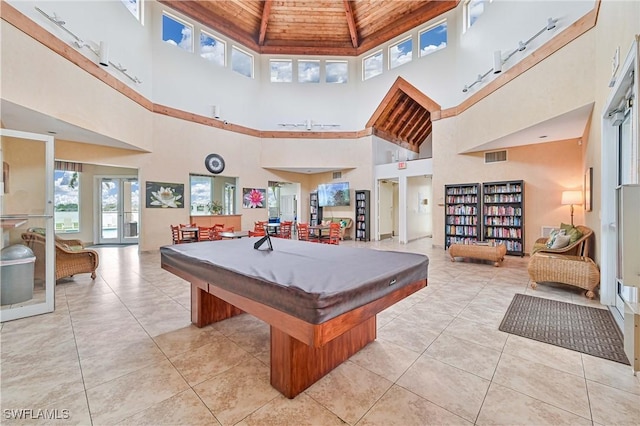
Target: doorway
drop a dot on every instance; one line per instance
(388, 219)
(119, 217)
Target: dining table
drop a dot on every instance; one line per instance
(233, 234)
(189, 233)
(318, 228)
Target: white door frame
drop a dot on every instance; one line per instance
(49, 302)
(609, 180)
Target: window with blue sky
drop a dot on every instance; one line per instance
(336, 71)
(213, 49)
(135, 7)
(281, 70)
(472, 11)
(242, 62)
(433, 38)
(372, 65)
(309, 71)
(177, 32)
(401, 53)
(201, 193)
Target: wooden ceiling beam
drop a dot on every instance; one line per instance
(399, 125)
(394, 139)
(199, 13)
(422, 135)
(353, 30)
(413, 121)
(266, 11)
(409, 21)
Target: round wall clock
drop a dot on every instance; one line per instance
(214, 163)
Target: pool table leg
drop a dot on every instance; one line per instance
(207, 308)
(295, 365)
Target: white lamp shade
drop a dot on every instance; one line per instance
(571, 197)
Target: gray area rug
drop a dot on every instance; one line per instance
(580, 328)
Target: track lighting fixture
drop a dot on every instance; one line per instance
(102, 52)
(498, 61)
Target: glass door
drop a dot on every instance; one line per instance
(627, 174)
(27, 262)
(119, 210)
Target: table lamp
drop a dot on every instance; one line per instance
(571, 198)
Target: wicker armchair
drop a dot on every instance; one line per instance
(71, 256)
(579, 248)
(568, 265)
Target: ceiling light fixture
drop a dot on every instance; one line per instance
(308, 124)
(498, 61)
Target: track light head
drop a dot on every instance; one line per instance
(465, 89)
(551, 24)
(521, 46)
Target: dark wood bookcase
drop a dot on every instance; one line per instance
(503, 214)
(363, 215)
(462, 214)
(315, 211)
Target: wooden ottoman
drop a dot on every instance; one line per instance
(485, 252)
(577, 271)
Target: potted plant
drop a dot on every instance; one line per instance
(215, 207)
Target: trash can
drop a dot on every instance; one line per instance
(16, 274)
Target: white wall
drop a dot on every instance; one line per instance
(183, 80)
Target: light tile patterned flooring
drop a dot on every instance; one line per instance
(121, 350)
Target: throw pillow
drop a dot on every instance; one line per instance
(553, 235)
(326, 222)
(561, 241)
(343, 223)
(571, 231)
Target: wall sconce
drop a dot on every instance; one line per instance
(216, 111)
(497, 62)
(571, 198)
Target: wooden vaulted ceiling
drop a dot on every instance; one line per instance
(311, 27)
(404, 116)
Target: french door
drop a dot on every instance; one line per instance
(119, 210)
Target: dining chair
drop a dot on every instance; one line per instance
(188, 236)
(205, 233)
(175, 234)
(303, 231)
(259, 226)
(256, 233)
(285, 230)
(334, 234)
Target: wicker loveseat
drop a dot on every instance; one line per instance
(71, 256)
(568, 265)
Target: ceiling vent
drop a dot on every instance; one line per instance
(495, 156)
(337, 175)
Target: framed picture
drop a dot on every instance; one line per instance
(164, 195)
(254, 198)
(588, 189)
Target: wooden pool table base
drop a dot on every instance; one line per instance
(301, 352)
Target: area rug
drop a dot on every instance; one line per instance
(580, 328)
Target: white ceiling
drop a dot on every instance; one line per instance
(16, 117)
(570, 125)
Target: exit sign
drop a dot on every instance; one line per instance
(402, 165)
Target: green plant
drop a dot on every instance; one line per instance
(215, 207)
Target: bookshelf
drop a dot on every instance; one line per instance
(503, 214)
(363, 231)
(315, 211)
(462, 214)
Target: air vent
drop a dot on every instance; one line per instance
(337, 175)
(495, 156)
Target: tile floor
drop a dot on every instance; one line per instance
(121, 350)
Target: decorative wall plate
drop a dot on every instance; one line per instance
(214, 163)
